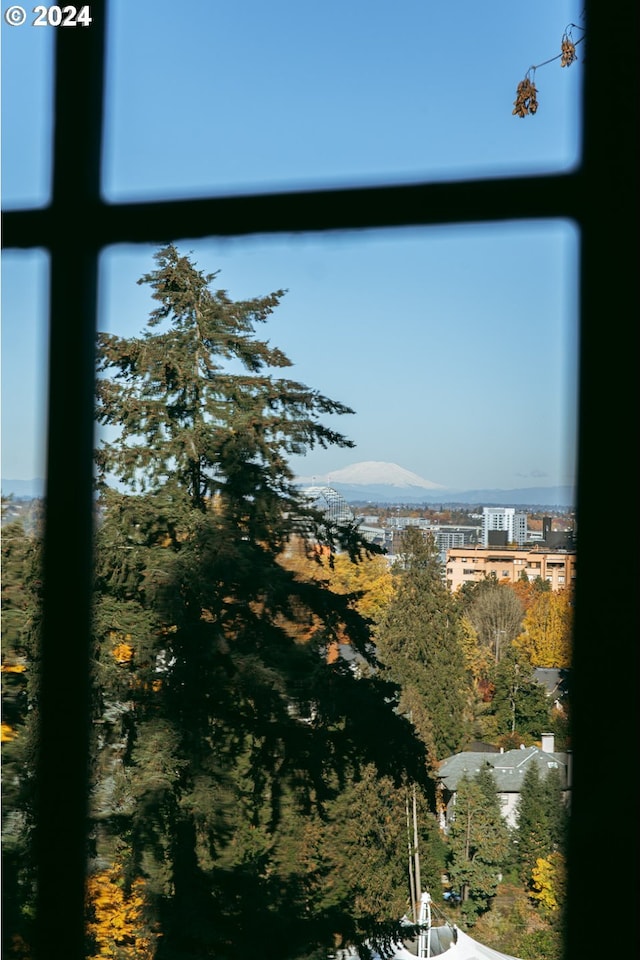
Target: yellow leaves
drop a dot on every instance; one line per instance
(333, 652)
(547, 630)
(122, 649)
(117, 922)
(369, 577)
(7, 733)
(13, 667)
(155, 685)
(548, 880)
(123, 653)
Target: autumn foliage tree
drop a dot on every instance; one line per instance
(117, 928)
(548, 882)
(547, 630)
(365, 582)
(495, 611)
(21, 590)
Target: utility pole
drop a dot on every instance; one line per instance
(416, 852)
(412, 881)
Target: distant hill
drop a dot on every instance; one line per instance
(564, 496)
(528, 496)
(374, 481)
(23, 488)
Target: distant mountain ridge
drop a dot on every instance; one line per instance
(374, 481)
(562, 496)
(23, 488)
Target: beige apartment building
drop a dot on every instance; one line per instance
(469, 564)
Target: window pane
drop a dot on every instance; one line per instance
(455, 347)
(24, 372)
(27, 97)
(243, 96)
(24, 377)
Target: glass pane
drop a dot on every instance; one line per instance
(455, 347)
(24, 372)
(247, 747)
(24, 378)
(27, 99)
(251, 96)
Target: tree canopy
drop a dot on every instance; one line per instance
(547, 630)
(221, 721)
(420, 643)
(480, 846)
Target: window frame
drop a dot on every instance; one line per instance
(599, 196)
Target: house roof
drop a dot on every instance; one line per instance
(554, 680)
(508, 768)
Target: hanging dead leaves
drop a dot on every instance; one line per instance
(526, 98)
(526, 95)
(568, 54)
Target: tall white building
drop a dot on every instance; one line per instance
(505, 519)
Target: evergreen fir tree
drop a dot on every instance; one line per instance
(420, 644)
(542, 820)
(533, 833)
(216, 720)
(557, 811)
(520, 704)
(479, 843)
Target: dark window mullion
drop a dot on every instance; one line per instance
(419, 205)
(64, 717)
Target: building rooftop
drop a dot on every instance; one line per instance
(508, 768)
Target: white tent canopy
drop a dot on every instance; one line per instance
(464, 948)
(445, 941)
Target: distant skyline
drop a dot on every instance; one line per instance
(456, 347)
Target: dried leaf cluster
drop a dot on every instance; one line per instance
(526, 99)
(568, 52)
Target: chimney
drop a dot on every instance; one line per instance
(548, 742)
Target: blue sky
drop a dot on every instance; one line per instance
(455, 346)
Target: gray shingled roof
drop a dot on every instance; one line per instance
(508, 768)
(554, 680)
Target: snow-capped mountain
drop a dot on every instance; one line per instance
(375, 481)
(377, 472)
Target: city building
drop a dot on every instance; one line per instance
(469, 564)
(503, 525)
